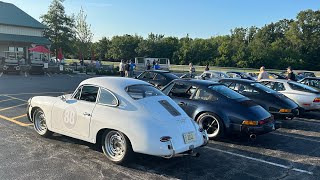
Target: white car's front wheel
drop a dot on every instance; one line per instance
(39, 123)
(116, 146)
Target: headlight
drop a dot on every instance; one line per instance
(17, 68)
(5, 67)
(250, 123)
(29, 101)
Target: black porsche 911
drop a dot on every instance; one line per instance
(219, 109)
(157, 78)
(276, 103)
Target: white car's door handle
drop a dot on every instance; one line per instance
(86, 114)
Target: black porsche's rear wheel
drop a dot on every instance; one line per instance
(212, 124)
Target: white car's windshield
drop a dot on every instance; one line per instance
(142, 91)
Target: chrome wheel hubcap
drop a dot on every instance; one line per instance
(40, 123)
(211, 125)
(115, 146)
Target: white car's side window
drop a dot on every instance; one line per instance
(78, 93)
(107, 98)
(89, 93)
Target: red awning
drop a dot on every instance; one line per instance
(60, 55)
(39, 49)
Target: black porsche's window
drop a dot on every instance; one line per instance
(147, 75)
(203, 94)
(223, 90)
(142, 91)
(89, 93)
(180, 90)
(159, 77)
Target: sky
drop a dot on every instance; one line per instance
(198, 18)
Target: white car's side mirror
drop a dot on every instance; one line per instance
(63, 98)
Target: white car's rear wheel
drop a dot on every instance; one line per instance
(116, 146)
(39, 122)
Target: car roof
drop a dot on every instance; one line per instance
(158, 71)
(238, 80)
(276, 80)
(314, 78)
(197, 82)
(113, 83)
(237, 72)
(212, 71)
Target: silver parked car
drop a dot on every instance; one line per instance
(305, 96)
(212, 75)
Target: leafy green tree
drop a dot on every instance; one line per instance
(83, 34)
(123, 47)
(101, 48)
(59, 27)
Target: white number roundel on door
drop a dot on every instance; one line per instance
(69, 117)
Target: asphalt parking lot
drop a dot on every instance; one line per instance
(291, 152)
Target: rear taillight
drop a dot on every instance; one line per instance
(262, 122)
(316, 100)
(165, 138)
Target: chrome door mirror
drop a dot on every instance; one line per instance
(63, 98)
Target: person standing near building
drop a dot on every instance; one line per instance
(263, 74)
(121, 68)
(291, 76)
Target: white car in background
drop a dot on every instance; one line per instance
(212, 75)
(124, 115)
(305, 96)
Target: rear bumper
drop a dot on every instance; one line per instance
(257, 130)
(292, 114)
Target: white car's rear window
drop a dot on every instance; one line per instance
(142, 91)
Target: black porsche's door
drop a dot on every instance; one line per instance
(181, 93)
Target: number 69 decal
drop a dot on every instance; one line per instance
(70, 117)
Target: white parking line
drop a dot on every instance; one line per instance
(1, 74)
(48, 75)
(25, 74)
(295, 137)
(35, 93)
(69, 75)
(307, 120)
(260, 160)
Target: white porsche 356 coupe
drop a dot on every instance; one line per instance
(124, 115)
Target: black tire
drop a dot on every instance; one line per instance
(39, 123)
(212, 124)
(110, 147)
(302, 112)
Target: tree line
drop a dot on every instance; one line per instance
(288, 42)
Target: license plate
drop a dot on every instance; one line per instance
(189, 137)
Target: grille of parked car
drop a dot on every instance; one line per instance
(169, 108)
